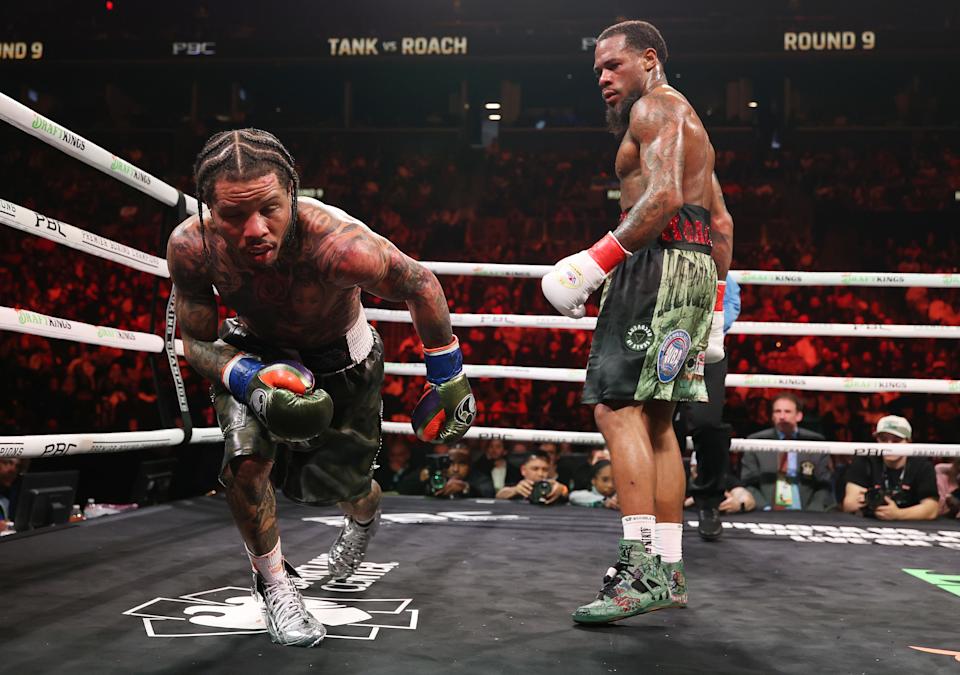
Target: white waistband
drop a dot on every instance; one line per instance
(359, 338)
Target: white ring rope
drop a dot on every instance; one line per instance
(877, 279)
(758, 381)
(738, 327)
(749, 277)
(34, 323)
(48, 131)
(57, 445)
(31, 222)
(536, 271)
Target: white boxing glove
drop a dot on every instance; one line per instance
(715, 351)
(571, 281)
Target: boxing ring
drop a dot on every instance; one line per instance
(488, 586)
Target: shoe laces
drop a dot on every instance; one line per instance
(612, 579)
(354, 539)
(286, 605)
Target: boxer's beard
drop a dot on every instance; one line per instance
(618, 117)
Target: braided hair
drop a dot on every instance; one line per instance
(244, 154)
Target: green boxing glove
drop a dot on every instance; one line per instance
(281, 395)
(447, 407)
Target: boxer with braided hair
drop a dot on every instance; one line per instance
(239, 153)
(297, 373)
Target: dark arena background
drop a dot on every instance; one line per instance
(472, 135)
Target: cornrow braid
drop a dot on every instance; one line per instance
(243, 154)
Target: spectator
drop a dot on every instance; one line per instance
(9, 484)
(892, 487)
(398, 474)
(947, 486)
(535, 472)
(602, 493)
(493, 465)
(582, 474)
(784, 480)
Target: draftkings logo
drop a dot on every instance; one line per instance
(232, 610)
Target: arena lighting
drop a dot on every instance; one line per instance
(492, 106)
(752, 104)
(494, 118)
(109, 5)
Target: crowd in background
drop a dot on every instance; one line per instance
(819, 209)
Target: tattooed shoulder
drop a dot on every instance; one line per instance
(185, 256)
(650, 113)
(343, 250)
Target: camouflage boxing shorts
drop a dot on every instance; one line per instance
(337, 465)
(654, 321)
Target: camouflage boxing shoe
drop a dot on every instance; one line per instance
(348, 550)
(637, 584)
(678, 583)
(288, 621)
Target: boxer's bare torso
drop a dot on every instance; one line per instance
(689, 150)
(306, 300)
(308, 297)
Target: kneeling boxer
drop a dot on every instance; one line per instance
(297, 373)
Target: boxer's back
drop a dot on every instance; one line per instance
(658, 106)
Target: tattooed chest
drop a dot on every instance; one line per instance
(292, 311)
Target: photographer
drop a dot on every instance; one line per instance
(449, 476)
(536, 487)
(892, 487)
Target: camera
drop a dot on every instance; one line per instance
(874, 497)
(541, 490)
(437, 466)
(877, 496)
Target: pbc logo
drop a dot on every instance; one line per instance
(194, 48)
(56, 449)
(234, 611)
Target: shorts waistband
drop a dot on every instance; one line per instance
(688, 230)
(344, 352)
(338, 355)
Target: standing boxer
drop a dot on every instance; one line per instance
(649, 347)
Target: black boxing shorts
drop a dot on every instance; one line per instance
(655, 315)
(337, 465)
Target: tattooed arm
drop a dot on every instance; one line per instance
(196, 305)
(657, 127)
(355, 255)
(721, 230)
